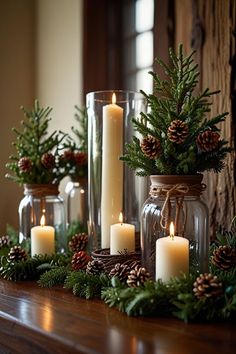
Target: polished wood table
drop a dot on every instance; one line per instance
(35, 320)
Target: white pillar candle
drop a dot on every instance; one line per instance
(42, 239)
(112, 169)
(122, 237)
(172, 256)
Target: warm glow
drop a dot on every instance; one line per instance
(172, 230)
(121, 218)
(42, 220)
(113, 99)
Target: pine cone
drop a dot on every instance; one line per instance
(81, 158)
(177, 131)
(207, 285)
(80, 260)
(4, 241)
(68, 156)
(137, 277)
(25, 164)
(17, 254)
(150, 146)
(120, 271)
(78, 242)
(224, 257)
(95, 266)
(48, 160)
(208, 140)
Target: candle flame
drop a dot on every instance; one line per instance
(121, 218)
(113, 99)
(42, 220)
(172, 230)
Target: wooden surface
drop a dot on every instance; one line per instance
(35, 320)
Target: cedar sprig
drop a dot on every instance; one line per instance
(174, 98)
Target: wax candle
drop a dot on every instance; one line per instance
(122, 237)
(42, 239)
(112, 169)
(172, 256)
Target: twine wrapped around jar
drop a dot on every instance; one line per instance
(41, 190)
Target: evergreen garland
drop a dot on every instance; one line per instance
(177, 138)
(54, 276)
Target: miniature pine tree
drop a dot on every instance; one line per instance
(176, 136)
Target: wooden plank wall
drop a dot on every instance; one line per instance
(209, 27)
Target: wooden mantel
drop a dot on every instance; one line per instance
(35, 320)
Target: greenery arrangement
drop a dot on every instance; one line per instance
(177, 138)
(37, 159)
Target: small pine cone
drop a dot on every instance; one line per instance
(4, 241)
(78, 242)
(224, 257)
(137, 277)
(207, 285)
(25, 164)
(150, 146)
(68, 156)
(81, 158)
(177, 131)
(120, 271)
(80, 260)
(96, 266)
(208, 140)
(17, 254)
(48, 161)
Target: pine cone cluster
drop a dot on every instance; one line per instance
(137, 277)
(17, 254)
(121, 271)
(25, 164)
(206, 286)
(224, 257)
(150, 146)
(48, 160)
(177, 131)
(78, 242)
(68, 156)
(81, 158)
(96, 266)
(208, 140)
(4, 241)
(80, 260)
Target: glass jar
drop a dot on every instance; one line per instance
(42, 200)
(176, 199)
(77, 202)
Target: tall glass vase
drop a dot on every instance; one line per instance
(113, 187)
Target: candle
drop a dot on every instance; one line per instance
(112, 168)
(42, 239)
(122, 237)
(172, 256)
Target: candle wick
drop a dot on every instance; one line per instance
(172, 237)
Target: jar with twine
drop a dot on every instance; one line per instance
(175, 198)
(43, 200)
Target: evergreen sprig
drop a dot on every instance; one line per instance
(174, 98)
(54, 276)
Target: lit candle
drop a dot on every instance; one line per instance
(122, 237)
(172, 256)
(42, 239)
(112, 169)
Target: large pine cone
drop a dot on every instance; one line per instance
(78, 242)
(120, 271)
(68, 156)
(81, 158)
(177, 131)
(4, 241)
(95, 266)
(224, 257)
(207, 285)
(150, 146)
(48, 161)
(208, 140)
(17, 254)
(137, 277)
(25, 164)
(80, 260)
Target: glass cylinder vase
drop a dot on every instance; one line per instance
(113, 187)
(43, 201)
(176, 199)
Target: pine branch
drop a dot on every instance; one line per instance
(55, 276)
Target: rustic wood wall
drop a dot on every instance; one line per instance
(209, 27)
